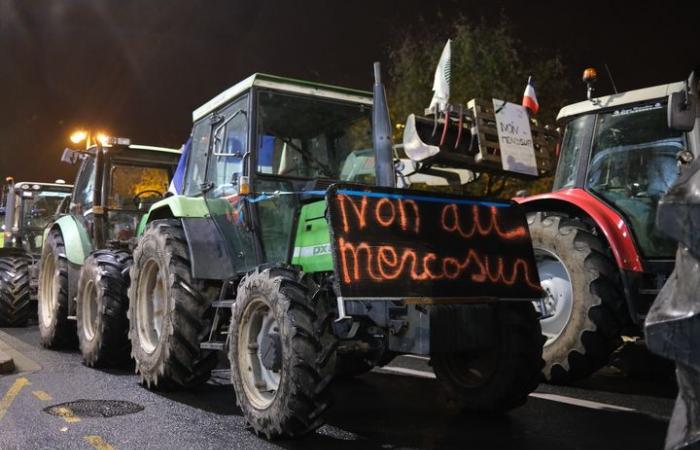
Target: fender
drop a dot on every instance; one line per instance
(610, 223)
(75, 238)
(209, 256)
(175, 207)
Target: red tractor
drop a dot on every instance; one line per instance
(601, 259)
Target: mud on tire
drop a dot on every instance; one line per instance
(15, 295)
(168, 311)
(55, 329)
(101, 308)
(598, 310)
(501, 378)
(275, 309)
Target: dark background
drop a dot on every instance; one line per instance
(138, 68)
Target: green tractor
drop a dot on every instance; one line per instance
(291, 250)
(27, 208)
(87, 252)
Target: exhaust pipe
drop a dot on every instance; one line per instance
(381, 133)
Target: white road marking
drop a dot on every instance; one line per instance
(580, 402)
(551, 397)
(422, 358)
(404, 371)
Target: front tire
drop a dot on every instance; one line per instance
(101, 309)
(499, 378)
(55, 329)
(584, 298)
(282, 353)
(15, 294)
(167, 311)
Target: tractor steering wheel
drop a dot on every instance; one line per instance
(137, 197)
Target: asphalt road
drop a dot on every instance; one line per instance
(399, 407)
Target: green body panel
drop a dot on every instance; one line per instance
(312, 250)
(175, 206)
(76, 239)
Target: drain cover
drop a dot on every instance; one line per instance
(94, 408)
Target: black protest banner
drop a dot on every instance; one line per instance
(397, 243)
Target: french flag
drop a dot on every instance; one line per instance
(530, 98)
(179, 176)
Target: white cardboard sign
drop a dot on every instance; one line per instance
(515, 138)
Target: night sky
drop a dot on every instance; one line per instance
(138, 68)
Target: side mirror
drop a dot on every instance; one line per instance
(70, 156)
(682, 107)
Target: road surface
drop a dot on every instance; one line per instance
(400, 406)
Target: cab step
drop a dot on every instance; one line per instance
(212, 345)
(222, 303)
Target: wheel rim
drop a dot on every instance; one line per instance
(150, 305)
(49, 289)
(558, 301)
(260, 383)
(89, 310)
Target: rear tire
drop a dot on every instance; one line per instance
(54, 327)
(501, 378)
(15, 294)
(167, 311)
(282, 353)
(101, 308)
(587, 338)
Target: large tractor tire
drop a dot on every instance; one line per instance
(282, 353)
(168, 311)
(500, 377)
(15, 295)
(101, 308)
(55, 329)
(583, 296)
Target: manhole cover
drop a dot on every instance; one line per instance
(94, 408)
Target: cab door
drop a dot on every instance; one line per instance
(228, 152)
(82, 199)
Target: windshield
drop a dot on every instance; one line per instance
(633, 163)
(309, 137)
(39, 207)
(135, 187)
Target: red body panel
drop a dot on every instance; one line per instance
(608, 221)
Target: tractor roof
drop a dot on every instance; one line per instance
(283, 84)
(623, 98)
(142, 147)
(42, 186)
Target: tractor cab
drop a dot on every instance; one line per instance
(621, 150)
(285, 141)
(28, 208)
(115, 186)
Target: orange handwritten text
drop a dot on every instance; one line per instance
(384, 212)
(360, 262)
(451, 221)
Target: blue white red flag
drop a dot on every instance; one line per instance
(530, 98)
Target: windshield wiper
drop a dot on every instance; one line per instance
(306, 154)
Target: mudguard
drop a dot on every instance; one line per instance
(610, 223)
(208, 254)
(176, 206)
(75, 237)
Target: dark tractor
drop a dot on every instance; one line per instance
(27, 208)
(601, 258)
(292, 251)
(86, 253)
